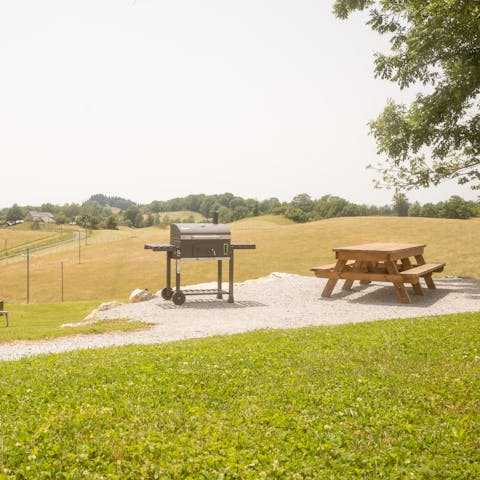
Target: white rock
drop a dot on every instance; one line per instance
(139, 295)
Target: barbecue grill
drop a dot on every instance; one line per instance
(198, 241)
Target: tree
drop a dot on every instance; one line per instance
(295, 214)
(456, 207)
(14, 213)
(400, 204)
(415, 210)
(435, 43)
(111, 222)
(130, 214)
(303, 202)
(429, 210)
(87, 221)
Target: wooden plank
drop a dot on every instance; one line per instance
(417, 288)
(322, 273)
(367, 267)
(422, 270)
(429, 281)
(327, 291)
(406, 263)
(371, 277)
(385, 247)
(399, 286)
(379, 251)
(330, 266)
(347, 285)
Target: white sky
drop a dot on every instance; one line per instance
(154, 99)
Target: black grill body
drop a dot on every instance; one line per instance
(199, 241)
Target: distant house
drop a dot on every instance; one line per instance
(45, 217)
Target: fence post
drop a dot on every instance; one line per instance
(28, 275)
(61, 263)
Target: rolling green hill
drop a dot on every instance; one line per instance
(113, 263)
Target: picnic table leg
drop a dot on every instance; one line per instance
(428, 278)
(417, 288)
(347, 285)
(332, 281)
(399, 286)
(367, 267)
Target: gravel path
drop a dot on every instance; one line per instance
(277, 301)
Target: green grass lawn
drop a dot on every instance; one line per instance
(42, 321)
(391, 399)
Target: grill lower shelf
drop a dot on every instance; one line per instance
(178, 296)
(205, 291)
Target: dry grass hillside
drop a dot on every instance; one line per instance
(113, 263)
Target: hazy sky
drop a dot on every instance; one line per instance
(153, 99)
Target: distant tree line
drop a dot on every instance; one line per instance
(101, 211)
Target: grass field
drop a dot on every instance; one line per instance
(20, 237)
(43, 321)
(113, 263)
(393, 399)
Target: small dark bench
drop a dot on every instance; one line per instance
(3, 312)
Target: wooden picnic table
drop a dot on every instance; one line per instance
(381, 262)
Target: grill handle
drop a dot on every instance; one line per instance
(159, 247)
(243, 246)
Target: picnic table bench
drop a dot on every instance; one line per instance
(380, 262)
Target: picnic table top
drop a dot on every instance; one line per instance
(380, 247)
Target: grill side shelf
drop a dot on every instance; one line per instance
(243, 246)
(160, 247)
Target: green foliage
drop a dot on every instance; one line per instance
(394, 399)
(111, 222)
(61, 219)
(15, 213)
(400, 204)
(111, 202)
(296, 214)
(133, 216)
(44, 320)
(96, 212)
(434, 43)
(456, 207)
(88, 221)
(414, 210)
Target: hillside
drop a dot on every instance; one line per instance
(113, 263)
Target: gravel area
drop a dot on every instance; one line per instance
(277, 301)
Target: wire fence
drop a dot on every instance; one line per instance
(56, 278)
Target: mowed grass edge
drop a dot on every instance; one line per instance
(44, 321)
(386, 399)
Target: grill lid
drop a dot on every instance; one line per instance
(199, 231)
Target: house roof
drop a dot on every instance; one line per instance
(46, 217)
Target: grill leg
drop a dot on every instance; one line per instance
(177, 275)
(230, 279)
(219, 280)
(169, 270)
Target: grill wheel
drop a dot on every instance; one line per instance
(178, 298)
(166, 293)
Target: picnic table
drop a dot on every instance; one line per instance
(380, 262)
